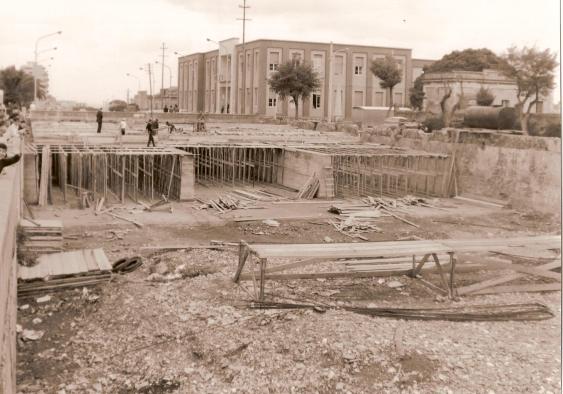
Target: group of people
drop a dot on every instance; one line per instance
(12, 125)
(171, 108)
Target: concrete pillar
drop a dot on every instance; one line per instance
(187, 177)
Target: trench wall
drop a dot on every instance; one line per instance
(10, 206)
(522, 170)
(298, 166)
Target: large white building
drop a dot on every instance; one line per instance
(233, 78)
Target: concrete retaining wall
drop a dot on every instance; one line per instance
(10, 204)
(174, 117)
(524, 171)
(299, 166)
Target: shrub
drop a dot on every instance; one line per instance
(432, 124)
(484, 97)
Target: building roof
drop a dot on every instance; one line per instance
(324, 43)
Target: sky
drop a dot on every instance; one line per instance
(103, 40)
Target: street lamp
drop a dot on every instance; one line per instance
(36, 52)
(331, 57)
(149, 70)
(169, 71)
(137, 78)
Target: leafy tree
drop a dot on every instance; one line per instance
(417, 94)
(117, 105)
(484, 97)
(467, 60)
(387, 70)
(296, 80)
(533, 71)
(18, 86)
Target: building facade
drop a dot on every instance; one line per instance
(465, 85)
(233, 79)
(40, 73)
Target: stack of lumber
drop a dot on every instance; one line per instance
(40, 236)
(229, 202)
(310, 188)
(397, 203)
(63, 271)
(241, 199)
(356, 219)
(353, 228)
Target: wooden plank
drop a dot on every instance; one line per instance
(527, 270)
(330, 275)
(503, 279)
(521, 288)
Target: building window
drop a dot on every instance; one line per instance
(316, 100)
(272, 102)
(339, 65)
(358, 70)
(274, 61)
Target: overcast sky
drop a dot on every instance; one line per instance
(104, 40)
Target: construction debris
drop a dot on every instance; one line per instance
(310, 188)
(521, 312)
(240, 199)
(64, 270)
(40, 237)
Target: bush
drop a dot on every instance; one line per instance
(484, 97)
(432, 124)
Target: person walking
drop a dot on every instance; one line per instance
(122, 126)
(99, 119)
(151, 133)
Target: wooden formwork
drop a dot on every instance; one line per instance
(391, 175)
(101, 170)
(232, 163)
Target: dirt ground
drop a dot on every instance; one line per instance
(179, 324)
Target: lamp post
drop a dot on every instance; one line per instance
(330, 98)
(169, 72)
(150, 83)
(137, 78)
(36, 52)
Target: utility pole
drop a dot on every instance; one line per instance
(150, 85)
(243, 19)
(164, 48)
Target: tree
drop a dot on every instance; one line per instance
(387, 70)
(416, 97)
(296, 80)
(18, 86)
(533, 71)
(117, 105)
(484, 97)
(467, 60)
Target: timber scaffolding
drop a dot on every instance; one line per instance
(237, 163)
(355, 170)
(122, 172)
(380, 170)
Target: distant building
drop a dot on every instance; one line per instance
(142, 99)
(40, 73)
(466, 84)
(167, 97)
(216, 82)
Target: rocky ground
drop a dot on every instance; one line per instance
(179, 324)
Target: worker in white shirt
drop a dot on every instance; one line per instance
(122, 126)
